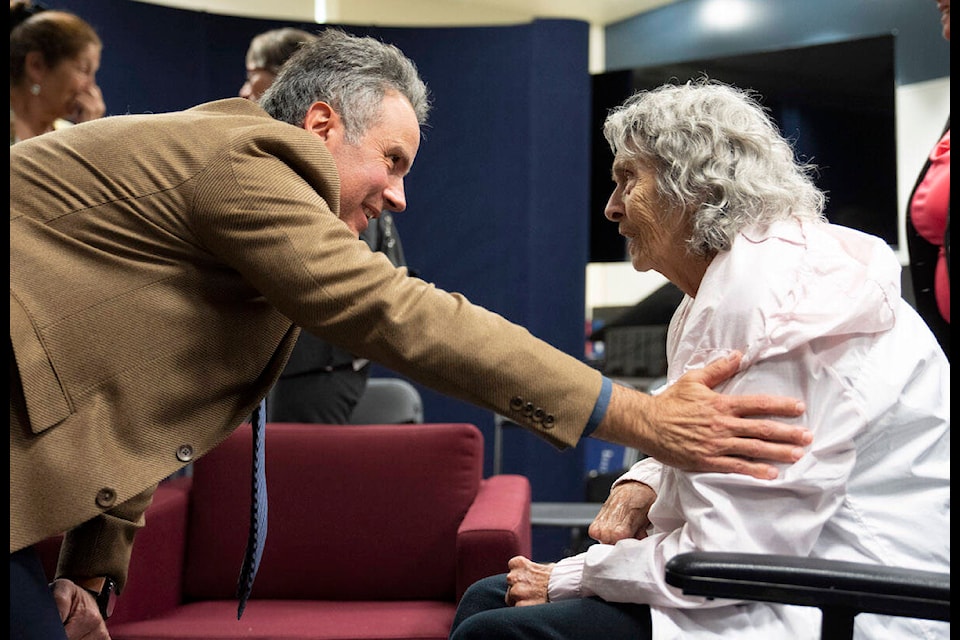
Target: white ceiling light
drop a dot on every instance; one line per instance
(725, 15)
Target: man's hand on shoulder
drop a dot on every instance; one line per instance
(691, 427)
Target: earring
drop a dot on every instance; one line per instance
(35, 89)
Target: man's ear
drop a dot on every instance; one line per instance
(322, 120)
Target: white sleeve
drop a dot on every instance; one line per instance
(565, 579)
(647, 471)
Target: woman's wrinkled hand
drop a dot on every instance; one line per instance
(527, 582)
(624, 514)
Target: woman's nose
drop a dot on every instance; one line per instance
(614, 209)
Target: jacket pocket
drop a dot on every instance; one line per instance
(47, 402)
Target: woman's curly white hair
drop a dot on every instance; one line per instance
(716, 153)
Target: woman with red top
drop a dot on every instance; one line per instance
(928, 229)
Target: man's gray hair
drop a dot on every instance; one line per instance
(351, 74)
(716, 153)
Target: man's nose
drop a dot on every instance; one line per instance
(395, 197)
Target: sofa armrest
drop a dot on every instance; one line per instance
(155, 578)
(840, 589)
(495, 529)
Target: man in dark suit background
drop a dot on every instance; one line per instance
(322, 383)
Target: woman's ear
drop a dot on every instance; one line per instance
(35, 66)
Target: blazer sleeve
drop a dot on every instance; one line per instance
(102, 546)
(270, 213)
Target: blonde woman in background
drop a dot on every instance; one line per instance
(54, 58)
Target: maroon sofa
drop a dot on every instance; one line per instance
(374, 532)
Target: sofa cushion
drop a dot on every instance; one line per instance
(296, 619)
(337, 529)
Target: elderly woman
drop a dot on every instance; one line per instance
(709, 194)
(54, 58)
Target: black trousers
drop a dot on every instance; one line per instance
(484, 615)
(33, 613)
(322, 397)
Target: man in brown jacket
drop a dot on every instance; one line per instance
(162, 264)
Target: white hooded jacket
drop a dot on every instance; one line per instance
(817, 312)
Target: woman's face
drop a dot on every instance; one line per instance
(63, 84)
(643, 217)
(944, 6)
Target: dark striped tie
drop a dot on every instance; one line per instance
(258, 509)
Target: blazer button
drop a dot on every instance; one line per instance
(184, 453)
(538, 415)
(106, 497)
(548, 421)
(516, 403)
(528, 409)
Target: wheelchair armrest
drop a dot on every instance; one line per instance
(814, 582)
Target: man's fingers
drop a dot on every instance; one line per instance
(759, 450)
(744, 455)
(759, 470)
(754, 436)
(717, 371)
(766, 406)
(723, 369)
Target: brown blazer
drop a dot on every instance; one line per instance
(159, 267)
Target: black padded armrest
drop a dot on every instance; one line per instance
(812, 582)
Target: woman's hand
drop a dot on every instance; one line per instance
(624, 514)
(89, 105)
(527, 582)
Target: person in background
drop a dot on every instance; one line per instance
(54, 57)
(709, 194)
(928, 228)
(321, 382)
(266, 54)
(162, 264)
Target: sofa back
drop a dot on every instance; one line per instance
(356, 512)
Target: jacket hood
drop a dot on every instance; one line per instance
(778, 286)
